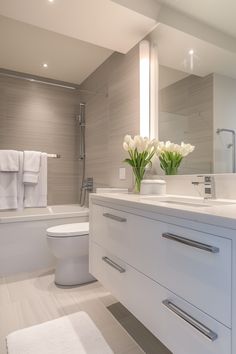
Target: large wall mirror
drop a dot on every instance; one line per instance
(197, 93)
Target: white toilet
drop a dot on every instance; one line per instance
(70, 245)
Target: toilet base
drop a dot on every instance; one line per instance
(71, 272)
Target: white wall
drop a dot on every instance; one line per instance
(224, 117)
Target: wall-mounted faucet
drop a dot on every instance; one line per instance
(209, 186)
(88, 184)
(232, 145)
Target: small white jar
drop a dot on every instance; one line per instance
(153, 186)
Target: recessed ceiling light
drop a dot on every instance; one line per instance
(51, 0)
(191, 52)
(45, 65)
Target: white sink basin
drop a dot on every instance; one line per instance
(188, 201)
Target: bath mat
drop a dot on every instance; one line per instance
(73, 334)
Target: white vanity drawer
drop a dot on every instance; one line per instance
(180, 326)
(192, 264)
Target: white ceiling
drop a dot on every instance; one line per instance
(74, 37)
(219, 14)
(173, 52)
(101, 22)
(25, 48)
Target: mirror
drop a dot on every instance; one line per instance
(197, 95)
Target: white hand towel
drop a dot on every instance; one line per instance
(8, 190)
(35, 195)
(32, 161)
(20, 184)
(9, 161)
(11, 186)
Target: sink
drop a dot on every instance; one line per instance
(188, 201)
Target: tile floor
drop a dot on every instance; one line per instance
(29, 299)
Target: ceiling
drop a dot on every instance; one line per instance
(101, 22)
(26, 48)
(219, 14)
(74, 37)
(173, 52)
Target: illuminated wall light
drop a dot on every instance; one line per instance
(144, 82)
(154, 91)
(45, 65)
(191, 53)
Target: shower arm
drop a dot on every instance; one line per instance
(220, 130)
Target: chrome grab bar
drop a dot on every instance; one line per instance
(192, 321)
(113, 264)
(192, 243)
(114, 217)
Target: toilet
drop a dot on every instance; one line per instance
(69, 243)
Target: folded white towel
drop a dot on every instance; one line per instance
(72, 334)
(35, 195)
(30, 177)
(20, 184)
(9, 161)
(11, 187)
(32, 161)
(8, 190)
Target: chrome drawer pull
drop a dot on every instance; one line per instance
(191, 243)
(192, 321)
(113, 264)
(114, 217)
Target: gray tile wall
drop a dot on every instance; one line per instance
(111, 114)
(42, 117)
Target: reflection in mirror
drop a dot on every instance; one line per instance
(185, 114)
(197, 99)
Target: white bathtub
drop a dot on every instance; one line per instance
(23, 243)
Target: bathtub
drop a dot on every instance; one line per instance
(23, 243)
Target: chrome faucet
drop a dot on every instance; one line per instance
(88, 184)
(209, 186)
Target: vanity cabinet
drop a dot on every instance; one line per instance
(175, 279)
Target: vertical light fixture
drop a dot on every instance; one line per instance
(154, 91)
(144, 82)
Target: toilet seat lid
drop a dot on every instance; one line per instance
(66, 230)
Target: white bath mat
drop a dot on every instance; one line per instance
(73, 334)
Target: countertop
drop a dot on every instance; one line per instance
(217, 215)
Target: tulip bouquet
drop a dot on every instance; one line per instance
(171, 155)
(141, 151)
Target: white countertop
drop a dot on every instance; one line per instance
(217, 215)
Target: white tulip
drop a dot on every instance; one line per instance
(138, 143)
(127, 139)
(168, 146)
(132, 145)
(125, 146)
